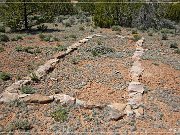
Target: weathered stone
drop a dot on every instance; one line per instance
(37, 98)
(128, 110)
(83, 40)
(6, 97)
(23, 95)
(64, 99)
(135, 87)
(139, 111)
(80, 103)
(118, 106)
(60, 55)
(116, 115)
(14, 88)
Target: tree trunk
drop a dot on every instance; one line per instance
(25, 16)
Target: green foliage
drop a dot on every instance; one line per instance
(18, 37)
(101, 50)
(5, 76)
(116, 28)
(19, 124)
(27, 90)
(164, 36)
(73, 36)
(136, 37)
(16, 14)
(173, 12)
(81, 28)
(61, 48)
(27, 49)
(4, 38)
(42, 27)
(2, 28)
(174, 45)
(1, 49)
(48, 38)
(134, 31)
(34, 77)
(60, 114)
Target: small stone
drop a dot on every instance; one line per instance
(6, 97)
(128, 110)
(116, 115)
(37, 98)
(139, 111)
(118, 106)
(80, 103)
(135, 87)
(133, 128)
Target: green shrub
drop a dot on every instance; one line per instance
(4, 38)
(81, 28)
(134, 31)
(136, 37)
(60, 114)
(5, 76)
(174, 45)
(177, 51)
(41, 36)
(116, 28)
(73, 36)
(19, 124)
(34, 77)
(74, 61)
(2, 29)
(101, 50)
(1, 49)
(27, 90)
(67, 24)
(61, 48)
(19, 48)
(164, 36)
(18, 37)
(42, 27)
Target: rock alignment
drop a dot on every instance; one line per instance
(135, 87)
(13, 91)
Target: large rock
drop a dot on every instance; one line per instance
(118, 106)
(44, 69)
(135, 87)
(60, 55)
(64, 99)
(6, 97)
(14, 88)
(37, 98)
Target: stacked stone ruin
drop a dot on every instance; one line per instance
(117, 110)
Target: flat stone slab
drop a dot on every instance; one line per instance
(37, 98)
(6, 97)
(64, 99)
(135, 87)
(118, 106)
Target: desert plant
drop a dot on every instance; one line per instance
(34, 77)
(41, 36)
(18, 37)
(136, 37)
(81, 28)
(19, 124)
(60, 114)
(134, 31)
(5, 76)
(27, 90)
(73, 36)
(100, 50)
(177, 51)
(2, 28)
(61, 48)
(1, 49)
(174, 45)
(19, 48)
(4, 38)
(42, 27)
(74, 61)
(164, 36)
(116, 28)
